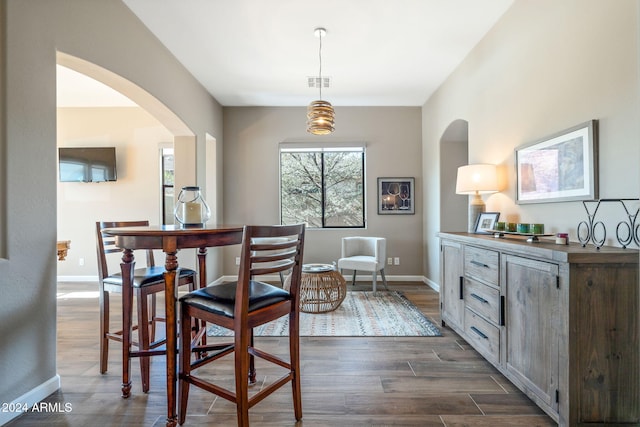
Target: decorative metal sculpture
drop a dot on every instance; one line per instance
(627, 231)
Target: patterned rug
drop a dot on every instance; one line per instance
(361, 314)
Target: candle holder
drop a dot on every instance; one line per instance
(191, 209)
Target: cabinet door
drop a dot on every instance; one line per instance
(607, 347)
(451, 292)
(532, 317)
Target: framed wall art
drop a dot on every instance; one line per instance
(396, 196)
(559, 168)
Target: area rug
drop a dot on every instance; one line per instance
(361, 314)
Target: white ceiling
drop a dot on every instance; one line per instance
(376, 52)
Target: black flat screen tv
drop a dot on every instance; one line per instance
(87, 164)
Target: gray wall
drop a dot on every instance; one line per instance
(106, 33)
(251, 192)
(546, 66)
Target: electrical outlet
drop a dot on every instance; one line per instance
(390, 261)
(396, 261)
(80, 261)
(237, 260)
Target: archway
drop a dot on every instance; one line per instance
(129, 89)
(138, 132)
(454, 152)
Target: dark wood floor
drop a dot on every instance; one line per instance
(421, 381)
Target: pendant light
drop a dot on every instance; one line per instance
(320, 113)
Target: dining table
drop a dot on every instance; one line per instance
(170, 239)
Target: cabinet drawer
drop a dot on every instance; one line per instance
(481, 264)
(482, 335)
(482, 299)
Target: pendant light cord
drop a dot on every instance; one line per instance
(320, 56)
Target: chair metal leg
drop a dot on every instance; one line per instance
(353, 281)
(375, 277)
(384, 279)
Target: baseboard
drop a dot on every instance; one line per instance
(77, 279)
(347, 277)
(270, 278)
(391, 278)
(29, 399)
(433, 285)
(265, 278)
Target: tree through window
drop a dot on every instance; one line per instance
(322, 187)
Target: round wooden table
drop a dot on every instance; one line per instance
(170, 239)
(322, 288)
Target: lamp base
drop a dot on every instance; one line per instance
(476, 207)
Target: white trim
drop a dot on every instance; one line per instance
(223, 279)
(366, 277)
(347, 278)
(433, 285)
(77, 279)
(324, 145)
(395, 278)
(30, 398)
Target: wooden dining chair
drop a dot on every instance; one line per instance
(147, 282)
(241, 306)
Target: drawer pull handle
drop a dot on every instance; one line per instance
(479, 298)
(479, 264)
(477, 331)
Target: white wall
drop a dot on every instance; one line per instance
(547, 65)
(137, 137)
(251, 176)
(103, 32)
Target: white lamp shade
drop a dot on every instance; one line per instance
(477, 179)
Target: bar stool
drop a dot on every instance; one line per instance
(147, 282)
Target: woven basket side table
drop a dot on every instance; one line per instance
(322, 288)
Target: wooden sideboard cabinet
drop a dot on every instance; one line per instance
(559, 321)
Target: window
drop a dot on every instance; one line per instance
(322, 187)
(168, 180)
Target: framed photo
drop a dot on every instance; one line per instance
(396, 196)
(559, 168)
(485, 222)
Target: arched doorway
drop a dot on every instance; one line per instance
(137, 131)
(454, 152)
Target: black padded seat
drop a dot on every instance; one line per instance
(220, 299)
(146, 276)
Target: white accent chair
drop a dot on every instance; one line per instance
(364, 254)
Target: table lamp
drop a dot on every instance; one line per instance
(476, 179)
